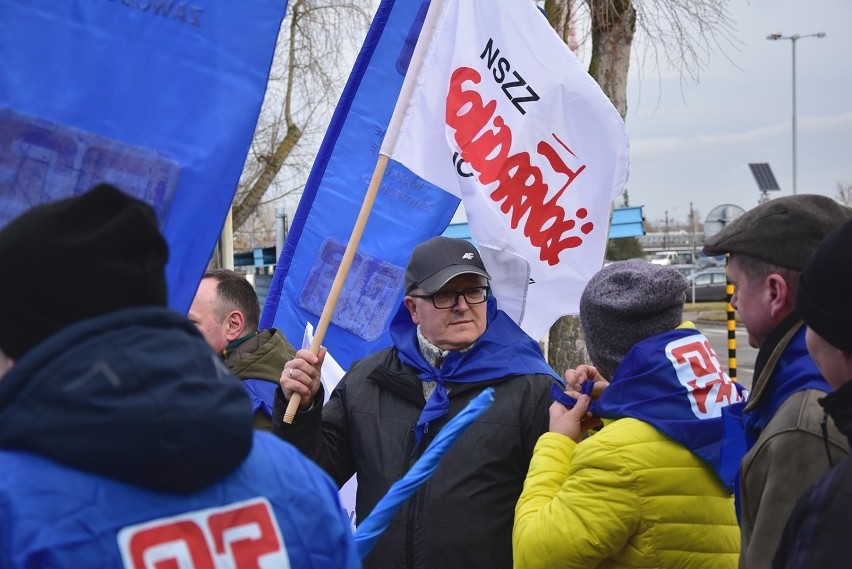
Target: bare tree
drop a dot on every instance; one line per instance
(316, 46)
(844, 193)
(309, 70)
(677, 34)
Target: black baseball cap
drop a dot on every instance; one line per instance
(434, 262)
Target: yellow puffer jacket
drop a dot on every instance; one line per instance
(627, 496)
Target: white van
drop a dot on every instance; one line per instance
(666, 258)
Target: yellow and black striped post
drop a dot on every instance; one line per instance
(732, 326)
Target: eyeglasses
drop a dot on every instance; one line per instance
(449, 298)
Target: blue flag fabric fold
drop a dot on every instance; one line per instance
(504, 350)
(158, 98)
(673, 381)
(558, 394)
(795, 371)
(407, 210)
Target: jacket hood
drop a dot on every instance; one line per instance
(135, 395)
(261, 357)
(838, 404)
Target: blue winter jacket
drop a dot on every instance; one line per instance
(127, 443)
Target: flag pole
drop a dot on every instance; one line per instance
(342, 272)
(411, 77)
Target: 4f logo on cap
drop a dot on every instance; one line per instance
(243, 534)
(467, 256)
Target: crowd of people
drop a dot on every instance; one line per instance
(135, 436)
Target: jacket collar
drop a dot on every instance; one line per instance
(838, 404)
(769, 354)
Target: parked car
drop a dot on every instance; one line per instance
(705, 262)
(710, 284)
(685, 270)
(666, 258)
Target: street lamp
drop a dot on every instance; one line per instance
(793, 39)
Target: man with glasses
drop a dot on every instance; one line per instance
(450, 342)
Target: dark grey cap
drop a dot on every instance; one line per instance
(434, 262)
(783, 232)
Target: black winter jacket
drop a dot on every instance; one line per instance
(817, 533)
(462, 516)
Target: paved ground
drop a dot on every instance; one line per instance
(745, 355)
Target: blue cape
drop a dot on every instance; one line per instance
(503, 351)
(673, 381)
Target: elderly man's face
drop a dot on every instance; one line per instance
(450, 328)
(751, 300)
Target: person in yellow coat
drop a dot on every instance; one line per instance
(653, 486)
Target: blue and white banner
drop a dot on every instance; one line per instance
(529, 142)
(158, 97)
(406, 212)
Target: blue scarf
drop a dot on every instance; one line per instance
(673, 381)
(504, 350)
(795, 371)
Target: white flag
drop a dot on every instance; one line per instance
(497, 110)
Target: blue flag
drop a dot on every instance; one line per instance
(158, 97)
(406, 212)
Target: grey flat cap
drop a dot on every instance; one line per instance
(783, 232)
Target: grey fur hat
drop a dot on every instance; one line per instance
(626, 302)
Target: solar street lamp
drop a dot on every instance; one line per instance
(793, 39)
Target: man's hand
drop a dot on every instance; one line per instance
(302, 375)
(575, 378)
(574, 422)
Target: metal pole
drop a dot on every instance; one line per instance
(694, 259)
(227, 241)
(795, 172)
(793, 38)
(280, 230)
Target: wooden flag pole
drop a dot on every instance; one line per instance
(389, 142)
(342, 271)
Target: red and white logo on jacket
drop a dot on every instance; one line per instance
(708, 386)
(239, 535)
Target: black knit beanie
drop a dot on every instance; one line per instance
(626, 302)
(824, 297)
(74, 259)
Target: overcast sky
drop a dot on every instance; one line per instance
(694, 144)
